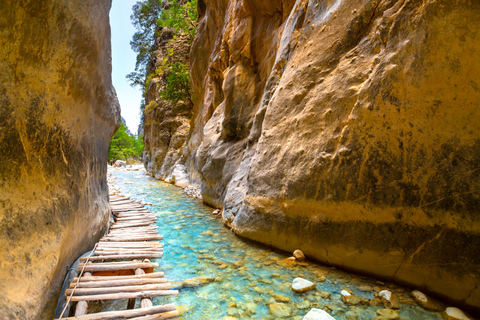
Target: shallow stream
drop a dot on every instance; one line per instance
(250, 282)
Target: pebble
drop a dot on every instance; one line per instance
(298, 254)
(391, 299)
(351, 315)
(280, 310)
(281, 298)
(388, 313)
(318, 314)
(304, 304)
(426, 302)
(365, 288)
(452, 313)
(300, 285)
(325, 295)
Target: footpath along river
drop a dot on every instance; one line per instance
(249, 282)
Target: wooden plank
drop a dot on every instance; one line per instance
(82, 306)
(113, 266)
(132, 244)
(125, 251)
(126, 256)
(154, 275)
(126, 314)
(120, 219)
(118, 283)
(109, 290)
(159, 316)
(130, 239)
(126, 295)
(119, 226)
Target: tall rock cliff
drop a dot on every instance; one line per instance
(349, 129)
(167, 121)
(58, 110)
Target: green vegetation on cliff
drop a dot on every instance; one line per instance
(125, 145)
(149, 17)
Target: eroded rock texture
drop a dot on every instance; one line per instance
(167, 123)
(349, 129)
(58, 110)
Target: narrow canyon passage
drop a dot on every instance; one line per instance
(220, 275)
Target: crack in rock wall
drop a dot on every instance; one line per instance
(58, 111)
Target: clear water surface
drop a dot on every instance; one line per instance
(250, 283)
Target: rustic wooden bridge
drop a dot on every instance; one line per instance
(120, 268)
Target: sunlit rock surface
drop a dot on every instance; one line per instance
(58, 110)
(167, 123)
(347, 129)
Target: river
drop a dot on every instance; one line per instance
(250, 282)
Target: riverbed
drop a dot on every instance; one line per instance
(247, 280)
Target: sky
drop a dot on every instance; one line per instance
(123, 62)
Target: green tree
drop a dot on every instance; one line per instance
(144, 18)
(178, 83)
(124, 145)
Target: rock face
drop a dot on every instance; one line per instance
(167, 123)
(58, 110)
(349, 129)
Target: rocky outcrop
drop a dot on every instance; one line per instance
(58, 110)
(348, 129)
(167, 123)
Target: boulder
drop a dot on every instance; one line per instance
(318, 314)
(300, 285)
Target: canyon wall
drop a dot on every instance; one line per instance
(58, 110)
(166, 123)
(349, 129)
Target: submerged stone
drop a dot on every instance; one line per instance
(280, 310)
(194, 282)
(388, 313)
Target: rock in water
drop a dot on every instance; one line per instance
(301, 285)
(427, 302)
(452, 313)
(391, 299)
(298, 254)
(194, 282)
(388, 313)
(317, 314)
(280, 310)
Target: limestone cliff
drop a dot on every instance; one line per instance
(349, 129)
(58, 110)
(167, 123)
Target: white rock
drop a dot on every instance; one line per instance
(317, 314)
(300, 285)
(456, 314)
(420, 296)
(345, 293)
(385, 294)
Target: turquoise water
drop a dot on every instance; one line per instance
(249, 281)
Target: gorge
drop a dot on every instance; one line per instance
(349, 129)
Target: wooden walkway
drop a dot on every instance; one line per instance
(120, 268)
